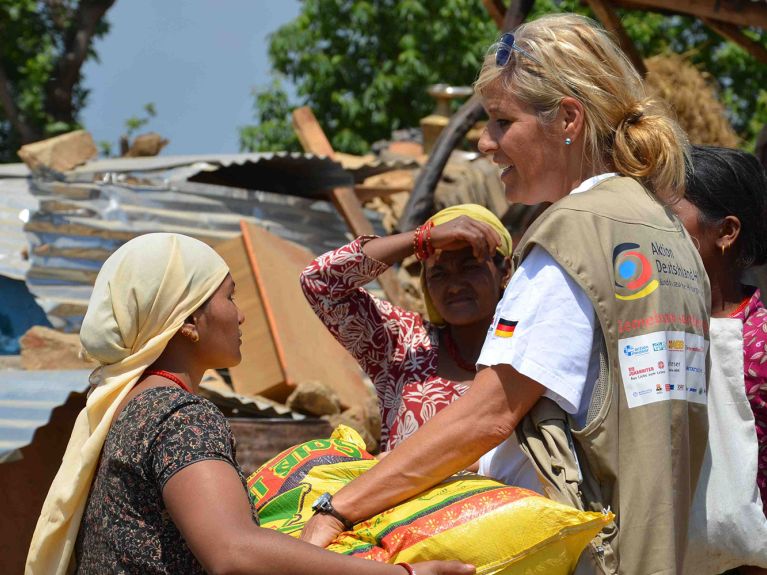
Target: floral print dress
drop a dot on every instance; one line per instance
(396, 348)
(754, 317)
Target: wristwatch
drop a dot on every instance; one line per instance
(324, 506)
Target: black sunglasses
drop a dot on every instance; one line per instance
(506, 46)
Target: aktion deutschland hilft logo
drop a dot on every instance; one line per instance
(633, 272)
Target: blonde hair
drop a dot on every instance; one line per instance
(624, 129)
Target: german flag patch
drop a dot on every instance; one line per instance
(505, 328)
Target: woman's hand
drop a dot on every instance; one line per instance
(464, 231)
(321, 529)
(443, 568)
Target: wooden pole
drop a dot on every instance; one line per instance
(314, 141)
(610, 20)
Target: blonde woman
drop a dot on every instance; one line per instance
(150, 482)
(607, 282)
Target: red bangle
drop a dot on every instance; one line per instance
(408, 567)
(429, 247)
(422, 247)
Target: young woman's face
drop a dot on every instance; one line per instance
(218, 325)
(531, 158)
(463, 289)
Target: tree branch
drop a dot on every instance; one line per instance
(77, 42)
(26, 132)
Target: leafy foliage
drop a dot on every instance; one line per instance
(37, 36)
(273, 132)
(364, 65)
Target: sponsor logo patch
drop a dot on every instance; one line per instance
(633, 273)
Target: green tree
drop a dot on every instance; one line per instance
(43, 45)
(363, 66)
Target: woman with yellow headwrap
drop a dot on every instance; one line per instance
(149, 482)
(418, 366)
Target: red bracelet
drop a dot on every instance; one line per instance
(408, 567)
(429, 247)
(422, 247)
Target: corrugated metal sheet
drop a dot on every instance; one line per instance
(307, 174)
(14, 170)
(16, 204)
(224, 397)
(78, 224)
(27, 399)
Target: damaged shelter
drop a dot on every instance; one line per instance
(268, 214)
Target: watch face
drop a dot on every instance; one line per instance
(321, 503)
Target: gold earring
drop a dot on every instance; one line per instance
(191, 333)
(724, 247)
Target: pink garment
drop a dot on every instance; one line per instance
(395, 347)
(754, 318)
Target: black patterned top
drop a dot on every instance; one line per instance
(125, 526)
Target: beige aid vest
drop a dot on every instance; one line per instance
(641, 450)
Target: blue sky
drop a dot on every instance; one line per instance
(196, 60)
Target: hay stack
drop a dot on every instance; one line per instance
(693, 98)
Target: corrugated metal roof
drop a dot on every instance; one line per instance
(77, 226)
(74, 225)
(27, 399)
(307, 174)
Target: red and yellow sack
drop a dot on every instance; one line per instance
(500, 529)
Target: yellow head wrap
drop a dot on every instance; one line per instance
(475, 212)
(142, 296)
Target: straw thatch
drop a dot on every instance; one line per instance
(694, 99)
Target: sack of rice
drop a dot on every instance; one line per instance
(499, 529)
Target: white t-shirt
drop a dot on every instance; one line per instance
(544, 328)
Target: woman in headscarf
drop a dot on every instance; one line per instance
(418, 366)
(149, 482)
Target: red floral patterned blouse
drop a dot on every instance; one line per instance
(396, 348)
(754, 318)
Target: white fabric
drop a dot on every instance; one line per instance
(552, 344)
(727, 527)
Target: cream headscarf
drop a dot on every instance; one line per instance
(475, 212)
(143, 294)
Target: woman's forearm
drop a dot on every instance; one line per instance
(263, 551)
(454, 439)
(390, 249)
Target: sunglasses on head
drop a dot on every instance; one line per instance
(506, 46)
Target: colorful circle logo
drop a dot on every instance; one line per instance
(633, 272)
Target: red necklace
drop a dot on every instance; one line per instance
(452, 350)
(167, 375)
(741, 307)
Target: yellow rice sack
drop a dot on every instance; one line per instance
(499, 529)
